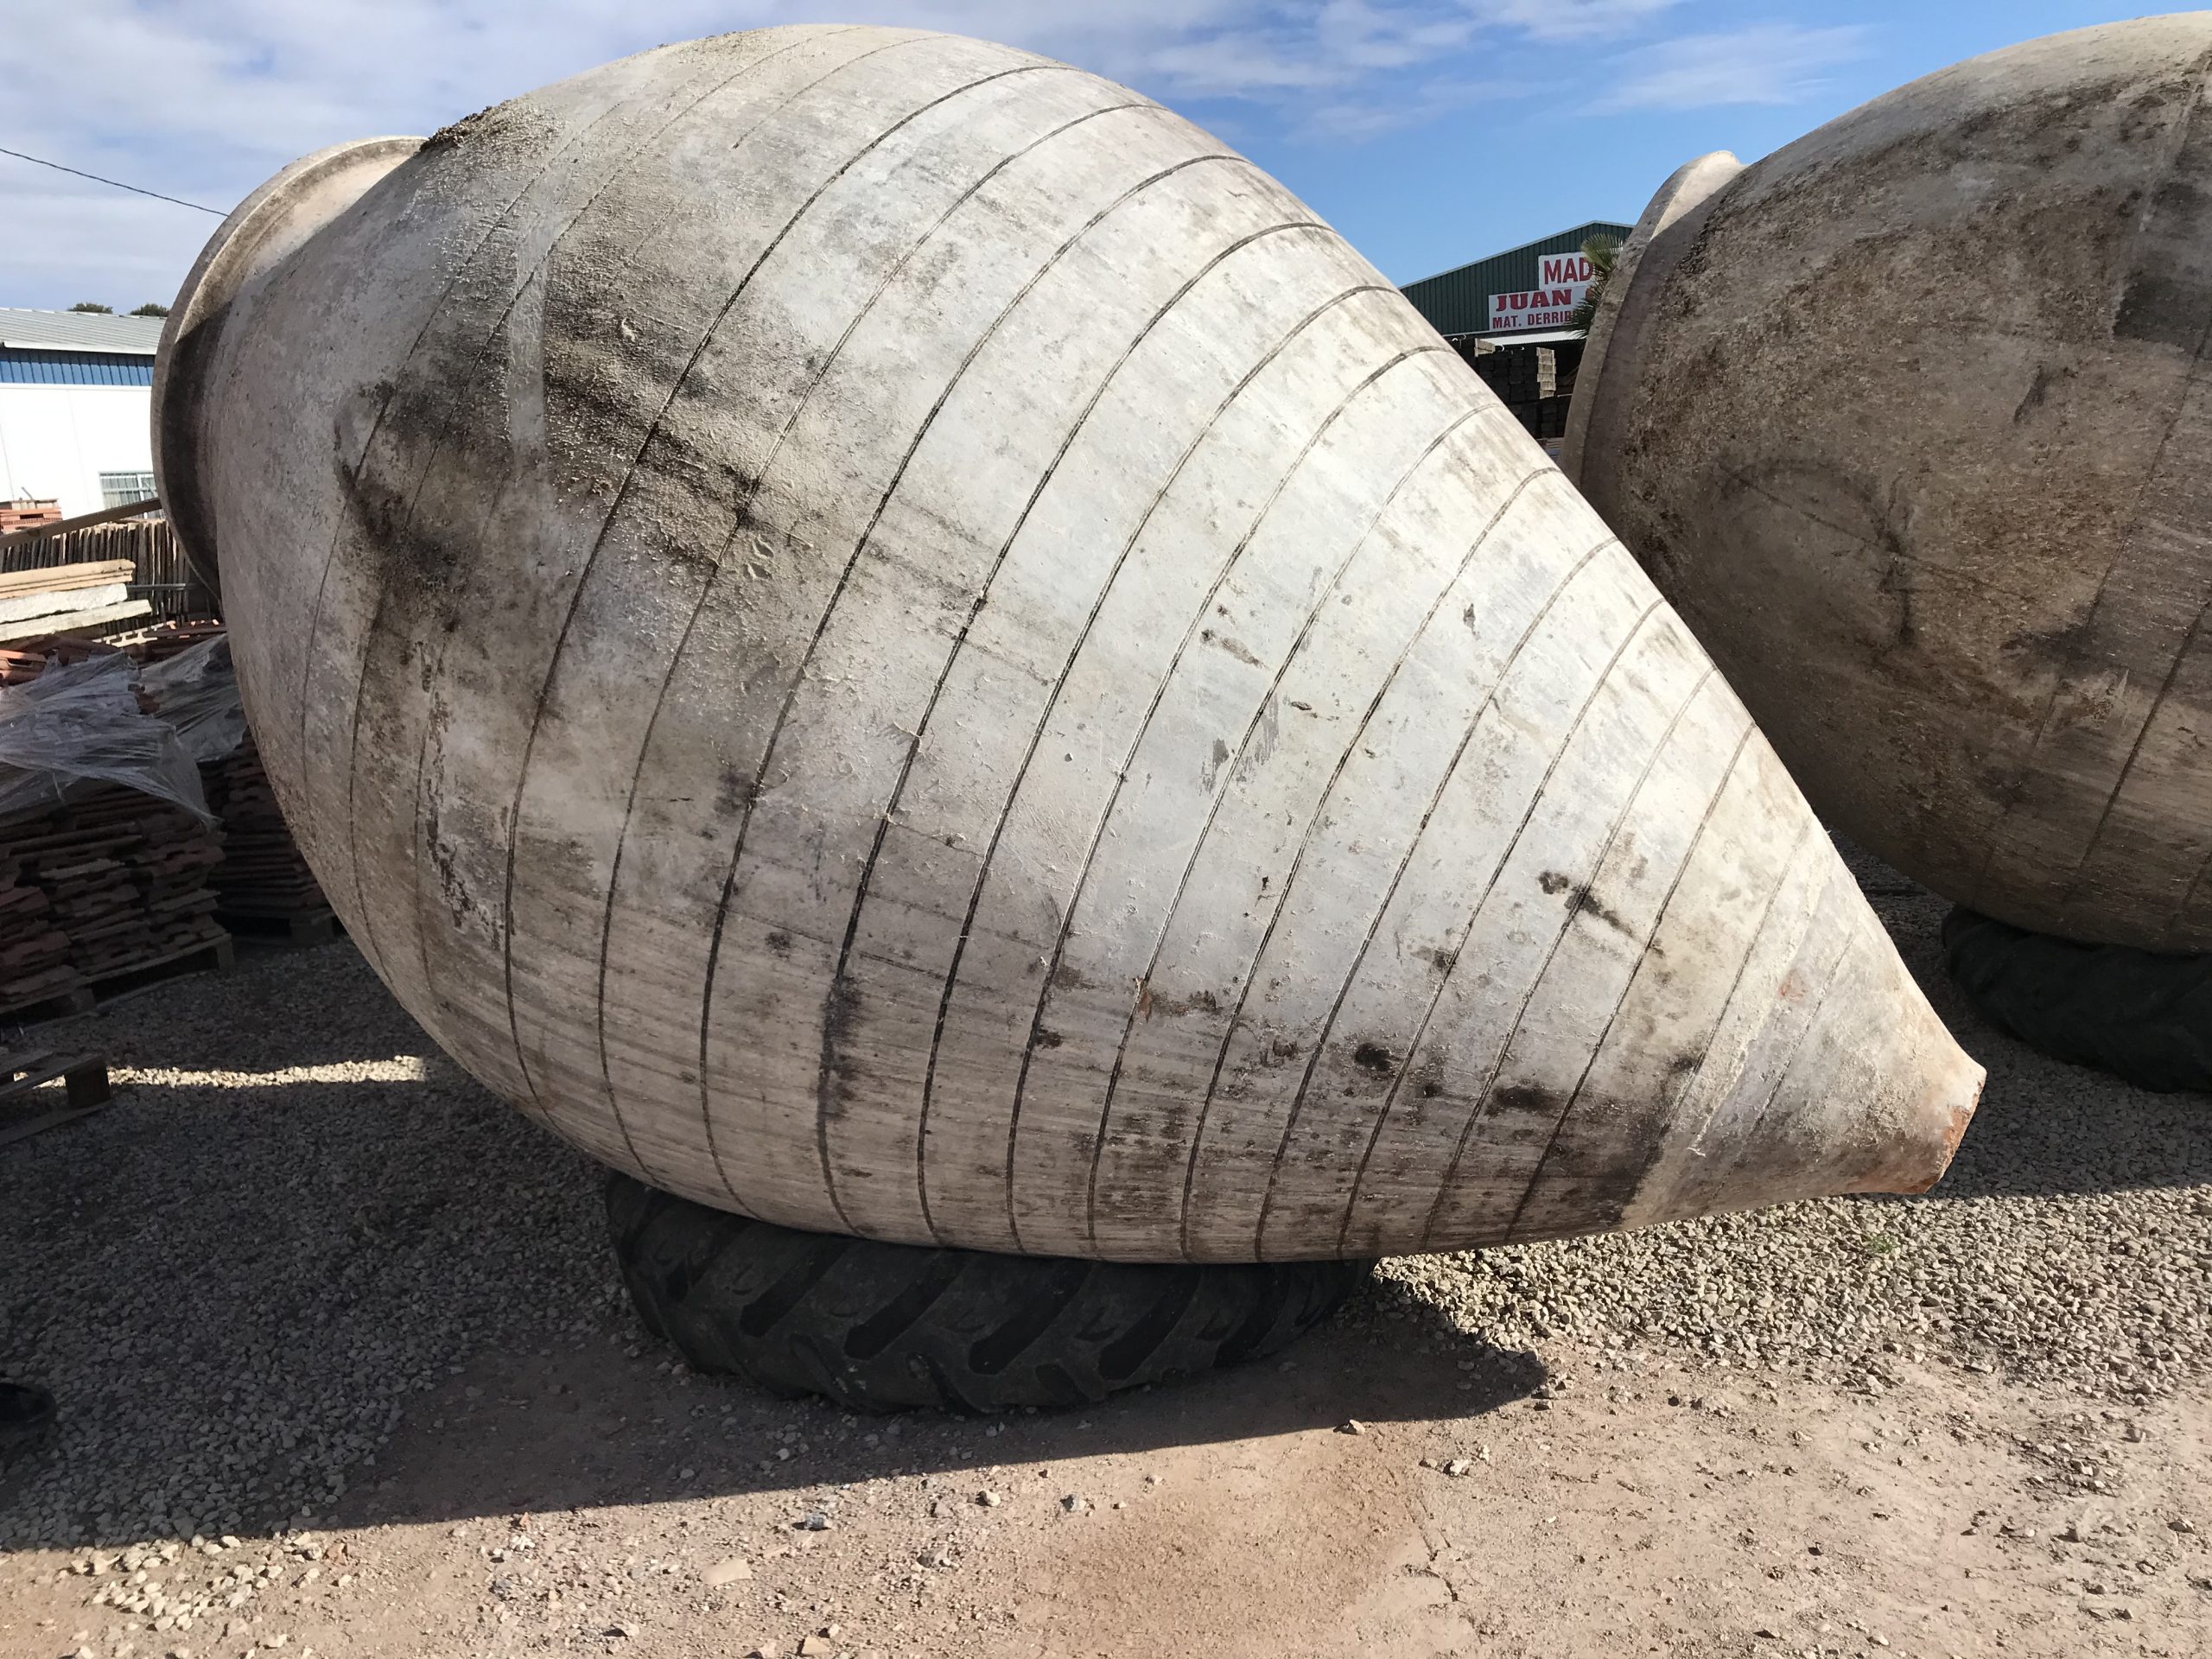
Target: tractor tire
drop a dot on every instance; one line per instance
(882, 1327)
(2144, 1017)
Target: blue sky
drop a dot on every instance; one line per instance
(1429, 131)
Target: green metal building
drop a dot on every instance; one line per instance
(1459, 302)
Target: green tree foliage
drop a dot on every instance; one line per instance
(95, 307)
(151, 308)
(1603, 253)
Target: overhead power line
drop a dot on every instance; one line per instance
(117, 183)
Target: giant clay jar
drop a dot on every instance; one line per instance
(887, 635)
(1912, 422)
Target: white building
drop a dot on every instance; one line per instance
(76, 395)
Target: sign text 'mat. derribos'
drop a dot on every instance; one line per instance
(1562, 279)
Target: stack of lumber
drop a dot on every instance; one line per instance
(165, 639)
(21, 665)
(262, 877)
(35, 962)
(66, 598)
(121, 879)
(260, 882)
(28, 514)
(160, 575)
(265, 884)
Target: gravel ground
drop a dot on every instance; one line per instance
(2070, 1242)
(285, 1236)
(301, 1241)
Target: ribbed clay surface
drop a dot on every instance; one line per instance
(890, 637)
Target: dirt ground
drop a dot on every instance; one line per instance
(581, 1502)
(294, 1192)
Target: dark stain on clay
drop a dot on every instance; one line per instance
(838, 1010)
(414, 555)
(1613, 1155)
(1898, 583)
(1210, 773)
(1047, 1037)
(1373, 1057)
(1528, 1097)
(2165, 303)
(1234, 647)
(1587, 903)
(2039, 390)
(1580, 901)
(1150, 1002)
(451, 888)
(736, 792)
(781, 942)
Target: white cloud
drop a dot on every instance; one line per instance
(1575, 20)
(205, 99)
(1768, 63)
(1355, 120)
(91, 243)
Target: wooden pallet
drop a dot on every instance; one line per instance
(77, 1000)
(317, 925)
(105, 886)
(262, 875)
(72, 621)
(206, 955)
(84, 1081)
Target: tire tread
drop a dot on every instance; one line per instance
(881, 1327)
(2146, 1017)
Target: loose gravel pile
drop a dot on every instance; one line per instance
(2071, 1242)
(299, 1215)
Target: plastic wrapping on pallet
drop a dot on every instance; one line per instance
(81, 723)
(196, 693)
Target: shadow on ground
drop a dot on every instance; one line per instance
(528, 1433)
(242, 1285)
(546, 1418)
(2043, 1127)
